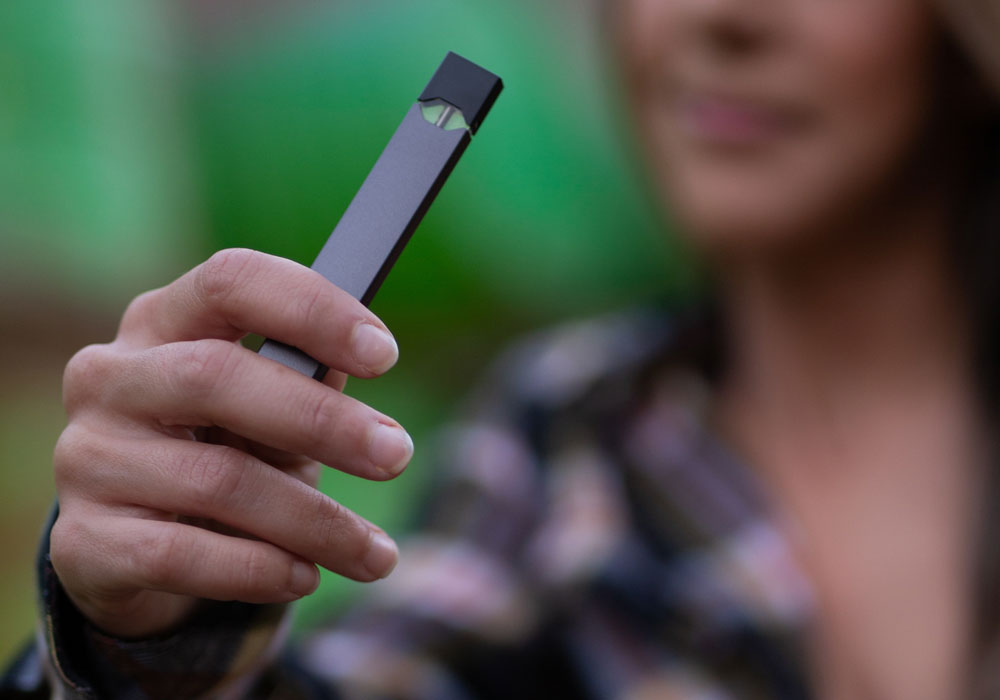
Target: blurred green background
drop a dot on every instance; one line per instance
(138, 136)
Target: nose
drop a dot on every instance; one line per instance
(732, 28)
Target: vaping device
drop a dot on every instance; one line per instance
(399, 189)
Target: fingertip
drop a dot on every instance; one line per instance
(305, 579)
(390, 449)
(335, 379)
(374, 348)
(382, 555)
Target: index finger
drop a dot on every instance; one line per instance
(240, 291)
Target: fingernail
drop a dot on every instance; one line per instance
(374, 348)
(382, 555)
(390, 449)
(305, 578)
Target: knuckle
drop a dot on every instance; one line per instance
(329, 519)
(216, 478)
(139, 310)
(69, 544)
(322, 416)
(202, 365)
(75, 452)
(162, 558)
(85, 373)
(314, 307)
(255, 573)
(225, 271)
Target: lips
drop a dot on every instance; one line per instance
(732, 121)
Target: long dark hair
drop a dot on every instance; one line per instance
(975, 30)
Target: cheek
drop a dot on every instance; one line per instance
(641, 26)
(876, 77)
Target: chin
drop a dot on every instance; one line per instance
(730, 216)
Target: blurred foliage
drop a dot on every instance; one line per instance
(139, 135)
(95, 165)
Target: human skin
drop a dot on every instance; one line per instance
(175, 417)
(792, 139)
(779, 131)
(766, 120)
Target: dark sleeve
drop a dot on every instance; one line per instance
(225, 648)
(454, 589)
(455, 597)
(463, 616)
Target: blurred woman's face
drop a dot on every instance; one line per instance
(765, 119)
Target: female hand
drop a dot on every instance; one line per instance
(189, 464)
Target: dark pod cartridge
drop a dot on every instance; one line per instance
(400, 188)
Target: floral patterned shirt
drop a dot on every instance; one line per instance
(591, 536)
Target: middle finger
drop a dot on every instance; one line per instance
(214, 382)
